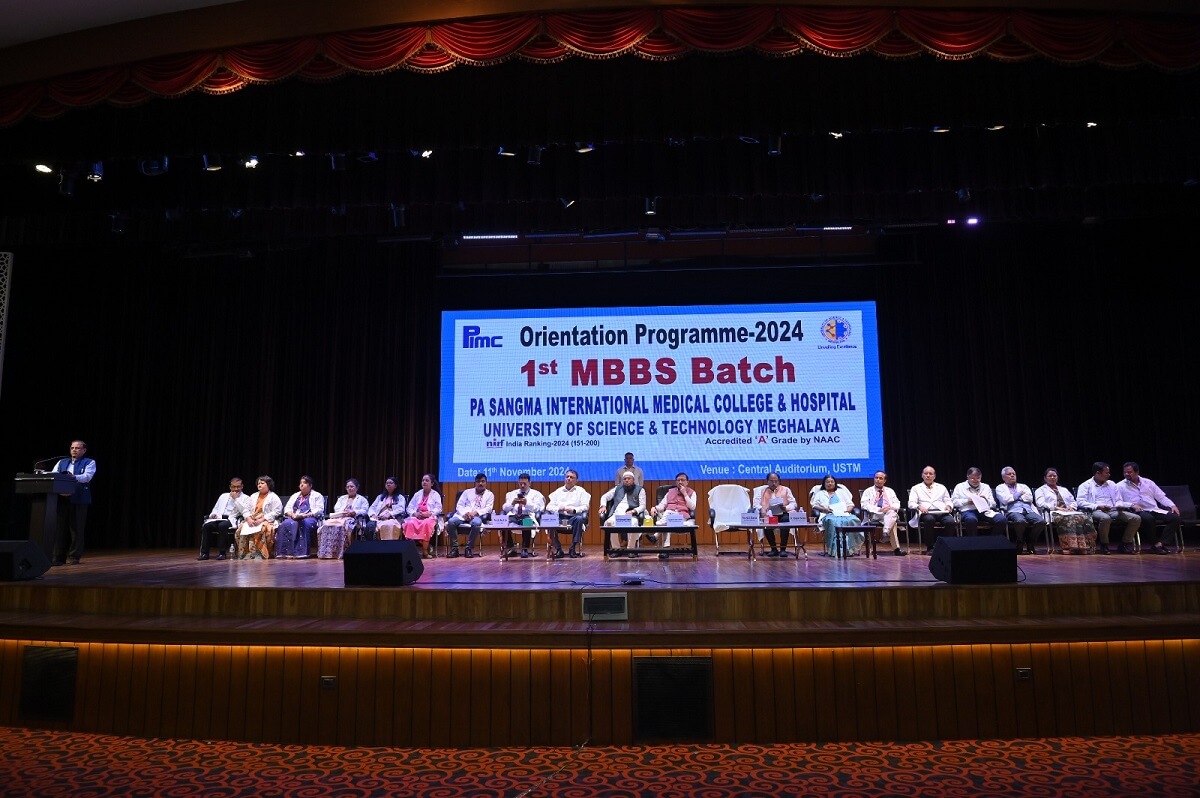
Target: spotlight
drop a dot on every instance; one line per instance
(96, 173)
(774, 144)
(837, 134)
(368, 157)
(426, 153)
(43, 168)
(939, 129)
(584, 146)
(337, 161)
(212, 163)
(534, 156)
(747, 139)
(66, 184)
(153, 167)
(251, 162)
(566, 203)
(506, 153)
(651, 206)
(298, 154)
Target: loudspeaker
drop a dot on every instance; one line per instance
(986, 560)
(384, 563)
(20, 559)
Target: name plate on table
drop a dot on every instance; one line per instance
(549, 519)
(624, 520)
(499, 520)
(674, 518)
(751, 519)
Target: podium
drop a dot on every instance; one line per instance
(43, 515)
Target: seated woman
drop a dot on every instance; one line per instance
(1076, 534)
(833, 507)
(256, 535)
(348, 514)
(424, 509)
(386, 513)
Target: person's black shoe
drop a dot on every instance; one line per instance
(74, 561)
(1102, 548)
(221, 556)
(453, 553)
(59, 562)
(1128, 548)
(511, 552)
(773, 553)
(202, 557)
(558, 555)
(899, 552)
(526, 554)
(1160, 549)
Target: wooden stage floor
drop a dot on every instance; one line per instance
(156, 596)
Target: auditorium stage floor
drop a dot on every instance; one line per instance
(179, 569)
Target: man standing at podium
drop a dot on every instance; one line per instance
(73, 507)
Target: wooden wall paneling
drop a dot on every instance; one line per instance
(217, 689)
(925, 689)
(1158, 702)
(984, 685)
(233, 692)
(745, 689)
(1174, 678)
(1136, 685)
(622, 685)
(385, 696)
(439, 680)
(1046, 691)
(11, 652)
(515, 696)
(845, 690)
(602, 695)
(185, 686)
(263, 685)
(562, 714)
(866, 703)
(804, 688)
(541, 696)
(410, 708)
(579, 697)
(762, 677)
(1115, 689)
(284, 693)
(966, 692)
(455, 696)
(202, 701)
(338, 706)
(1082, 689)
(367, 698)
(944, 693)
(163, 719)
(1064, 693)
(906, 691)
(1099, 655)
(486, 665)
(724, 711)
(827, 703)
(1189, 683)
(783, 685)
(1009, 698)
(881, 672)
(309, 695)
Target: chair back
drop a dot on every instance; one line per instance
(1182, 497)
(661, 492)
(726, 503)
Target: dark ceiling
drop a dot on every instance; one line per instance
(1075, 143)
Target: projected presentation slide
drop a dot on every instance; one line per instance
(728, 393)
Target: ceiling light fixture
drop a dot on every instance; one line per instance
(566, 203)
(251, 162)
(584, 146)
(212, 163)
(43, 168)
(96, 173)
(651, 206)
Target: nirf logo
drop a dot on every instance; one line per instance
(473, 340)
(494, 443)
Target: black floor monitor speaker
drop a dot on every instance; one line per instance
(986, 560)
(383, 563)
(20, 559)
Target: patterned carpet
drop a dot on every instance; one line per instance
(47, 764)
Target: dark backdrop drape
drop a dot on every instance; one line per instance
(1025, 345)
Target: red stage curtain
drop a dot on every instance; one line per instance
(1163, 41)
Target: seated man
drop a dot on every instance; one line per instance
(572, 503)
(680, 499)
(1016, 500)
(773, 499)
(930, 502)
(628, 498)
(474, 508)
(229, 511)
(1101, 499)
(881, 505)
(973, 499)
(303, 514)
(522, 506)
(1148, 501)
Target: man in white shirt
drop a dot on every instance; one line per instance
(473, 509)
(1016, 501)
(572, 503)
(773, 499)
(974, 500)
(1101, 499)
(230, 510)
(1148, 501)
(523, 506)
(882, 507)
(931, 502)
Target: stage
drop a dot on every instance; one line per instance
(496, 652)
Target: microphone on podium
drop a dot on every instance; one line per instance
(47, 460)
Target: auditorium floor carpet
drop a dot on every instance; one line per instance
(49, 763)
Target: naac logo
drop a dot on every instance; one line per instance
(835, 329)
